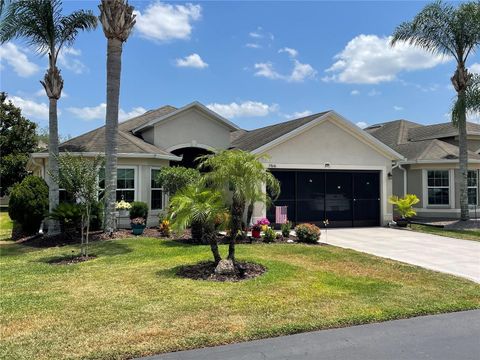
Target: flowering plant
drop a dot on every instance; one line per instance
(122, 205)
(263, 221)
(165, 228)
(257, 227)
(138, 221)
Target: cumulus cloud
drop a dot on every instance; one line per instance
(98, 112)
(16, 57)
(68, 59)
(163, 22)
(31, 109)
(244, 109)
(300, 71)
(369, 59)
(354, 92)
(192, 61)
(298, 114)
(361, 124)
(475, 68)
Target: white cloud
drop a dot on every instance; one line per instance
(300, 71)
(31, 109)
(292, 52)
(298, 114)
(17, 59)
(256, 35)
(369, 59)
(253, 45)
(98, 112)
(244, 109)
(475, 68)
(163, 22)
(193, 61)
(397, 108)
(361, 124)
(374, 92)
(354, 92)
(68, 59)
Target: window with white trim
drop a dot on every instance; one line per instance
(156, 191)
(472, 187)
(438, 187)
(125, 183)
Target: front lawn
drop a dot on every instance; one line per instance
(6, 226)
(458, 234)
(128, 301)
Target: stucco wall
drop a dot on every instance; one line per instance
(397, 182)
(414, 184)
(190, 128)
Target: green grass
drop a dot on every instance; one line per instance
(6, 226)
(128, 301)
(458, 234)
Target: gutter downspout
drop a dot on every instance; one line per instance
(404, 176)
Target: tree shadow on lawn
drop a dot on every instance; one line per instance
(14, 249)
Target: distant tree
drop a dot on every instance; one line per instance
(42, 24)
(450, 30)
(117, 20)
(43, 136)
(79, 177)
(17, 141)
(176, 178)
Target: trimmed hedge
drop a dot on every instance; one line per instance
(307, 233)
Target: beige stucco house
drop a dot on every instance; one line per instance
(328, 167)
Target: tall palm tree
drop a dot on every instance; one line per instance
(243, 176)
(452, 31)
(44, 27)
(472, 99)
(117, 20)
(197, 204)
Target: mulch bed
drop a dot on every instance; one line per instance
(69, 260)
(206, 271)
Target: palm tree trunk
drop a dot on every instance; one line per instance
(249, 213)
(210, 236)
(238, 207)
(463, 158)
(114, 66)
(53, 192)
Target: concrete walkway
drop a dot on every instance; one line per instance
(453, 256)
(440, 337)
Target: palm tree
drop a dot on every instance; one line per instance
(44, 27)
(197, 204)
(117, 20)
(472, 99)
(452, 31)
(243, 176)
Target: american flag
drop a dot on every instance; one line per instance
(281, 214)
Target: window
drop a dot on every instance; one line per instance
(472, 187)
(438, 187)
(125, 184)
(156, 191)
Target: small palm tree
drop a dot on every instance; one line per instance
(197, 204)
(117, 20)
(452, 31)
(44, 27)
(244, 176)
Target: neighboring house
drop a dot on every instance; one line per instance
(431, 166)
(328, 167)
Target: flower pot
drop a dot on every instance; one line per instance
(137, 229)
(256, 234)
(402, 222)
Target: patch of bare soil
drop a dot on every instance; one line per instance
(70, 260)
(205, 270)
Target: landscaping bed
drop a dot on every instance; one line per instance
(205, 270)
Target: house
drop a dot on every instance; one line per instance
(328, 167)
(430, 167)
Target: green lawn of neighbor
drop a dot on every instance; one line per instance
(458, 234)
(128, 301)
(6, 226)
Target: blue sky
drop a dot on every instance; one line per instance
(256, 63)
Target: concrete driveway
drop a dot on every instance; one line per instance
(448, 255)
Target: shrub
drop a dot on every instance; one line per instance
(269, 235)
(28, 203)
(96, 216)
(165, 229)
(175, 178)
(307, 233)
(68, 215)
(138, 209)
(286, 229)
(404, 206)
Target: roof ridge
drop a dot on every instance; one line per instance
(314, 116)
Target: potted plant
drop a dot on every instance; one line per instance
(138, 216)
(138, 225)
(264, 223)
(123, 208)
(404, 208)
(256, 230)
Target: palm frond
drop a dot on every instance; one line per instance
(71, 25)
(470, 102)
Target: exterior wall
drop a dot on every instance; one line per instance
(397, 182)
(328, 146)
(190, 129)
